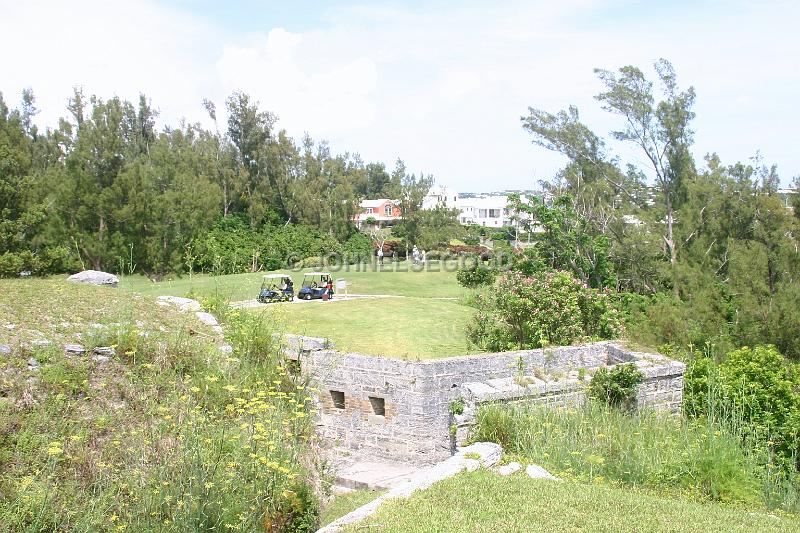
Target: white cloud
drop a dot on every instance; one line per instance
(441, 87)
(335, 98)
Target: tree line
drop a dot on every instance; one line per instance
(106, 190)
(705, 255)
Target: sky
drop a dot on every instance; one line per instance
(441, 85)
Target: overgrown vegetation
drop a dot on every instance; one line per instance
(170, 434)
(598, 444)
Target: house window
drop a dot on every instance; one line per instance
(481, 213)
(494, 213)
(338, 399)
(388, 210)
(369, 210)
(378, 405)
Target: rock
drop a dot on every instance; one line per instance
(33, 364)
(537, 472)
(183, 304)
(209, 320)
(472, 464)
(106, 351)
(227, 349)
(95, 277)
(74, 349)
(5, 349)
(11, 326)
(100, 359)
(489, 452)
(510, 468)
(41, 343)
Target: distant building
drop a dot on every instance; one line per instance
(384, 211)
(440, 195)
(490, 211)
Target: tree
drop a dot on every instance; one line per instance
(661, 130)
(412, 193)
(249, 130)
(437, 227)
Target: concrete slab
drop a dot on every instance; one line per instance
(374, 474)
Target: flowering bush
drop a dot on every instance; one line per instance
(547, 308)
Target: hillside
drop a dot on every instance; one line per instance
(158, 430)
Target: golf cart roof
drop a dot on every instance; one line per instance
(317, 274)
(275, 276)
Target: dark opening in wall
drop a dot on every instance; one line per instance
(378, 405)
(338, 399)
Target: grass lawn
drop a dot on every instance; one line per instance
(417, 327)
(394, 278)
(486, 501)
(410, 328)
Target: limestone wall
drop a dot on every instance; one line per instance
(401, 409)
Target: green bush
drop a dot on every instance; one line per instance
(548, 308)
(616, 387)
(475, 275)
(755, 390)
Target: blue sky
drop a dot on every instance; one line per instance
(441, 85)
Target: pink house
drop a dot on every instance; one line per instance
(385, 212)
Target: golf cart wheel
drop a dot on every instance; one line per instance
(291, 298)
(326, 297)
(307, 297)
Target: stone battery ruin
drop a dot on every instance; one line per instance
(402, 409)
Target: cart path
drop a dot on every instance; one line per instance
(247, 304)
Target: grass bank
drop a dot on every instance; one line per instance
(486, 501)
(166, 434)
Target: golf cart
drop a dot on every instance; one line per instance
(316, 285)
(276, 288)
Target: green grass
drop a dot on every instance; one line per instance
(410, 328)
(344, 503)
(394, 278)
(487, 502)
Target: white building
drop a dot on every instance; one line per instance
(439, 195)
(490, 211)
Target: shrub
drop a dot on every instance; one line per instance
(616, 387)
(549, 308)
(475, 275)
(756, 391)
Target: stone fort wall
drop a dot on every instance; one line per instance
(401, 409)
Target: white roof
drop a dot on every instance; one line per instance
(317, 274)
(376, 203)
(275, 276)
